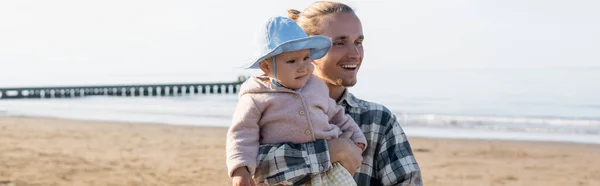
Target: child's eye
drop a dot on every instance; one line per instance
(291, 61)
(338, 44)
(306, 58)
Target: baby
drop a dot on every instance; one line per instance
(287, 104)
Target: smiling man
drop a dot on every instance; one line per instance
(388, 159)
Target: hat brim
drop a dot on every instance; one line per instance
(318, 45)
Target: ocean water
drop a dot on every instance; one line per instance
(509, 104)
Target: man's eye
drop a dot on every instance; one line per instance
(338, 44)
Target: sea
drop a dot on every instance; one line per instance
(545, 104)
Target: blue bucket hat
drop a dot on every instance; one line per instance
(282, 34)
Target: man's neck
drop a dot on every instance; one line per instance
(336, 91)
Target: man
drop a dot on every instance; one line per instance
(388, 159)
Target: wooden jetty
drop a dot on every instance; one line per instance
(121, 90)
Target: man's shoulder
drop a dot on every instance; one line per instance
(369, 105)
(376, 112)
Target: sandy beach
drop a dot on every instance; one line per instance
(44, 151)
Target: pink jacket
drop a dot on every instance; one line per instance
(266, 113)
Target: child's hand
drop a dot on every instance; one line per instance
(241, 177)
(361, 146)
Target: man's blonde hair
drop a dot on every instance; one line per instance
(311, 19)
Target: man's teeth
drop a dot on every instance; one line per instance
(349, 66)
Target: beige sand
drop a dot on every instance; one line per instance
(40, 151)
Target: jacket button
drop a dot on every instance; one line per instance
(302, 112)
(307, 132)
(296, 96)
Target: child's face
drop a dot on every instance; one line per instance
(293, 68)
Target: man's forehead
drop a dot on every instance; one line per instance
(343, 26)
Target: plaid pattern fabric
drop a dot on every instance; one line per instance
(289, 163)
(337, 175)
(388, 159)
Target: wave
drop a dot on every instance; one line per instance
(526, 124)
(218, 110)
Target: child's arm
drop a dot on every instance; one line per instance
(338, 117)
(242, 136)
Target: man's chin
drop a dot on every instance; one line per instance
(349, 82)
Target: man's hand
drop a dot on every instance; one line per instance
(346, 152)
(241, 177)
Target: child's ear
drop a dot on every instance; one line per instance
(264, 66)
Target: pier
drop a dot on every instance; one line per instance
(132, 90)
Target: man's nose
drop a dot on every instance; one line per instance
(353, 52)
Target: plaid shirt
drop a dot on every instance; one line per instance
(388, 159)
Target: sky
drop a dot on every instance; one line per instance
(74, 42)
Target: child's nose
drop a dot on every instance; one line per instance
(304, 66)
